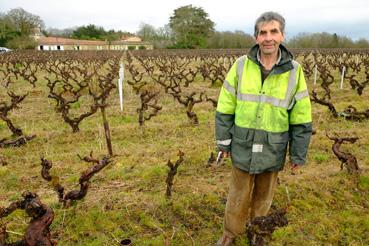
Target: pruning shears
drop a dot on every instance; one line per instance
(219, 159)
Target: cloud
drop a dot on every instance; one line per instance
(345, 17)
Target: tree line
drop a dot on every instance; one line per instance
(189, 27)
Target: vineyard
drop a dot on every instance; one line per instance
(79, 168)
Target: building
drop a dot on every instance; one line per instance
(36, 33)
(57, 43)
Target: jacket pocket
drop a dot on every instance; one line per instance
(241, 146)
(278, 138)
(240, 133)
(277, 144)
(241, 151)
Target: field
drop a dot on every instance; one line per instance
(127, 199)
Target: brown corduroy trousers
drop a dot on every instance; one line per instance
(250, 196)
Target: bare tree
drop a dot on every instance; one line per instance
(24, 21)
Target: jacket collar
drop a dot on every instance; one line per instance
(284, 62)
(278, 59)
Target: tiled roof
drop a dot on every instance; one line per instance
(132, 39)
(117, 42)
(68, 41)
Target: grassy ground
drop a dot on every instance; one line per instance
(127, 198)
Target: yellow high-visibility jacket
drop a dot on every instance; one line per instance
(256, 120)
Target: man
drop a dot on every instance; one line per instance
(263, 106)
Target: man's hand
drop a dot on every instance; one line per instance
(225, 154)
(221, 154)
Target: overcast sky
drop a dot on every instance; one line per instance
(344, 17)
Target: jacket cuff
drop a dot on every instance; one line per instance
(224, 148)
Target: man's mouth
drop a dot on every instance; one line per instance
(268, 45)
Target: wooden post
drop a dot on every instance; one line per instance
(315, 73)
(107, 131)
(342, 76)
(120, 85)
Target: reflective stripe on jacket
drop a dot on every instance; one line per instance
(255, 120)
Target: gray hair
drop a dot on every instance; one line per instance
(267, 17)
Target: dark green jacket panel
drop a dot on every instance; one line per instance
(223, 129)
(257, 151)
(299, 142)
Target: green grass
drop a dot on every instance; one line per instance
(320, 157)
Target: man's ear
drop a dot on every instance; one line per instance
(256, 39)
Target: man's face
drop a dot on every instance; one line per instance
(269, 37)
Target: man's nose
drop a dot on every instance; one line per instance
(268, 36)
